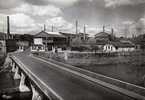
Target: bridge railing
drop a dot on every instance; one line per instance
(38, 88)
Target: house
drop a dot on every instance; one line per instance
(22, 45)
(2, 43)
(103, 36)
(69, 37)
(83, 36)
(118, 47)
(51, 39)
(139, 41)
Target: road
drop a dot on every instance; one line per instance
(67, 85)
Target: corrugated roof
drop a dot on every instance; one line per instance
(68, 34)
(122, 44)
(102, 34)
(49, 34)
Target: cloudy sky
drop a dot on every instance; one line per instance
(29, 16)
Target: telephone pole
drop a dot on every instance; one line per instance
(76, 26)
(84, 32)
(103, 28)
(52, 28)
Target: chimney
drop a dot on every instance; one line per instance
(103, 28)
(44, 28)
(8, 25)
(112, 31)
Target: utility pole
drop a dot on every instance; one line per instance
(103, 28)
(76, 26)
(52, 28)
(84, 32)
(112, 32)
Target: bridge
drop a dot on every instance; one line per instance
(52, 80)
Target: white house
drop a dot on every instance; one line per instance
(118, 47)
(109, 48)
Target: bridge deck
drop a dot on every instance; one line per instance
(66, 85)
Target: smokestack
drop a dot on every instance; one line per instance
(8, 25)
(103, 28)
(112, 31)
(44, 28)
(76, 27)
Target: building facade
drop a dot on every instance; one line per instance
(51, 40)
(119, 47)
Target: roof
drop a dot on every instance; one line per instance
(101, 42)
(68, 34)
(2, 35)
(116, 44)
(102, 34)
(122, 44)
(49, 34)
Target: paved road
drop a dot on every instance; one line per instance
(67, 85)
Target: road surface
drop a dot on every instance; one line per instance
(67, 85)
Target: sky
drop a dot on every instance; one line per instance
(126, 17)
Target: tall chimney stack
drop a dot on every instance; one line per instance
(112, 31)
(103, 28)
(8, 25)
(44, 28)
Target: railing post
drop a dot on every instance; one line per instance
(35, 94)
(23, 87)
(16, 75)
(65, 55)
(11, 62)
(13, 66)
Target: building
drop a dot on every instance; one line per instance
(18, 42)
(119, 47)
(22, 45)
(2, 46)
(3, 37)
(51, 39)
(69, 37)
(103, 36)
(38, 45)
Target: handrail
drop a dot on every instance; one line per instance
(36, 80)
